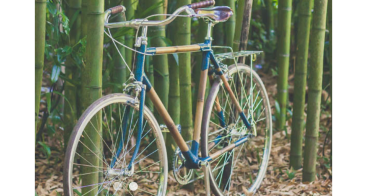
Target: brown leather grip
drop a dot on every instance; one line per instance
(117, 9)
(202, 4)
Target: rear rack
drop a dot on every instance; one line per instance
(231, 55)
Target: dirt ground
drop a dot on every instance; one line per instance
(279, 180)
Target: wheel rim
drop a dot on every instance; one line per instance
(90, 158)
(243, 168)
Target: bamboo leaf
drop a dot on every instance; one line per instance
(45, 149)
(50, 130)
(65, 23)
(51, 7)
(176, 57)
(74, 17)
(74, 82)
(277, 107)
(158, 71)
(78, 193)
(55, 73)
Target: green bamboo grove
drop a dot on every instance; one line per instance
(230, 24)
(174, 89)
(270, 19)
(183, 26)
(314, 89)
(40, 22)
(283, 54)
(119, 75)
(218, 30)
(238, 25)
(92, 85)
(304, 15)
(70, 109)
(160, 62)
(129, 38)
(182, 37)
(175, 77)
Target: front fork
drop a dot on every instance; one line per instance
(125, 126)
(142, 84)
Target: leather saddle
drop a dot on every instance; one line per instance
(217, 13)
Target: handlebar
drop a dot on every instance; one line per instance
(117, 9)
(144, 22)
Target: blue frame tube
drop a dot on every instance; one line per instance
(191, 155)
(121, 144)
(140, 127)
(139, 77)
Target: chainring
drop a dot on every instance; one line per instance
(181, 174)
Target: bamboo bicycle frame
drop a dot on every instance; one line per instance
(191, 155)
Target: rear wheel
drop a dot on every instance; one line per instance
(241, 170)
(101, 148)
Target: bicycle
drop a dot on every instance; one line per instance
(117, 147)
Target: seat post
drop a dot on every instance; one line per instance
(209, 30)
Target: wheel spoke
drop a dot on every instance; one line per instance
(93, 151)
(253, 101)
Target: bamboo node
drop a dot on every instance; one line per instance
(319, 28)
(40, 1)
(284, 55)
(94, 87)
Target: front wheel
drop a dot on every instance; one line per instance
(101, 148)
(242, 169)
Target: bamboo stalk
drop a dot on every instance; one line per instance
(92, 86)
(40, 33)
(218, 29)
(70, 108)
(84, 24)
(230, 24)
(270, 20)
(238, 25)
(129, 38)
(119, 75)
(160, 62)
(84, 21)
(300, 83)
(183, 38)
(330, 16)
(174, 89)
(314, 89)
(284, 21)
(183, 27)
